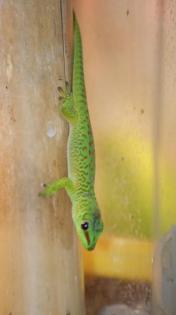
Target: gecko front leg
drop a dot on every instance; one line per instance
(69, 113)
(55, 186)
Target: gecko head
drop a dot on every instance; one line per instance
(88, 224)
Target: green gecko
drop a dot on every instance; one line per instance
(80, 155)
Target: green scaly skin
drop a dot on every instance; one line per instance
(81, 156)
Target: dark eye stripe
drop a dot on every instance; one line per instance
(87, 236)
(85, 226)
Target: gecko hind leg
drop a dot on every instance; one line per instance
(55, 186)
(67, 106)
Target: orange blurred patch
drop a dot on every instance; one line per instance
(120, 258)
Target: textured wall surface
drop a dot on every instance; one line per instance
(39, 257)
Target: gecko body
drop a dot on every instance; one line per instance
(80, 155)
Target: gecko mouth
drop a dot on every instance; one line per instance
(87, 236)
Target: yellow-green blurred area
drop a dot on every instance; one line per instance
(125, 187)
(125, 190)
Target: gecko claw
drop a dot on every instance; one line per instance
(61, 92)
(60, 89)
(61, 98)
(42, 193)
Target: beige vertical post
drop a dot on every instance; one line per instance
(39, 258)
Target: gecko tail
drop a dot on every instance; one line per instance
(75, 23)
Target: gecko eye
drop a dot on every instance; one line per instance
(85, 226)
